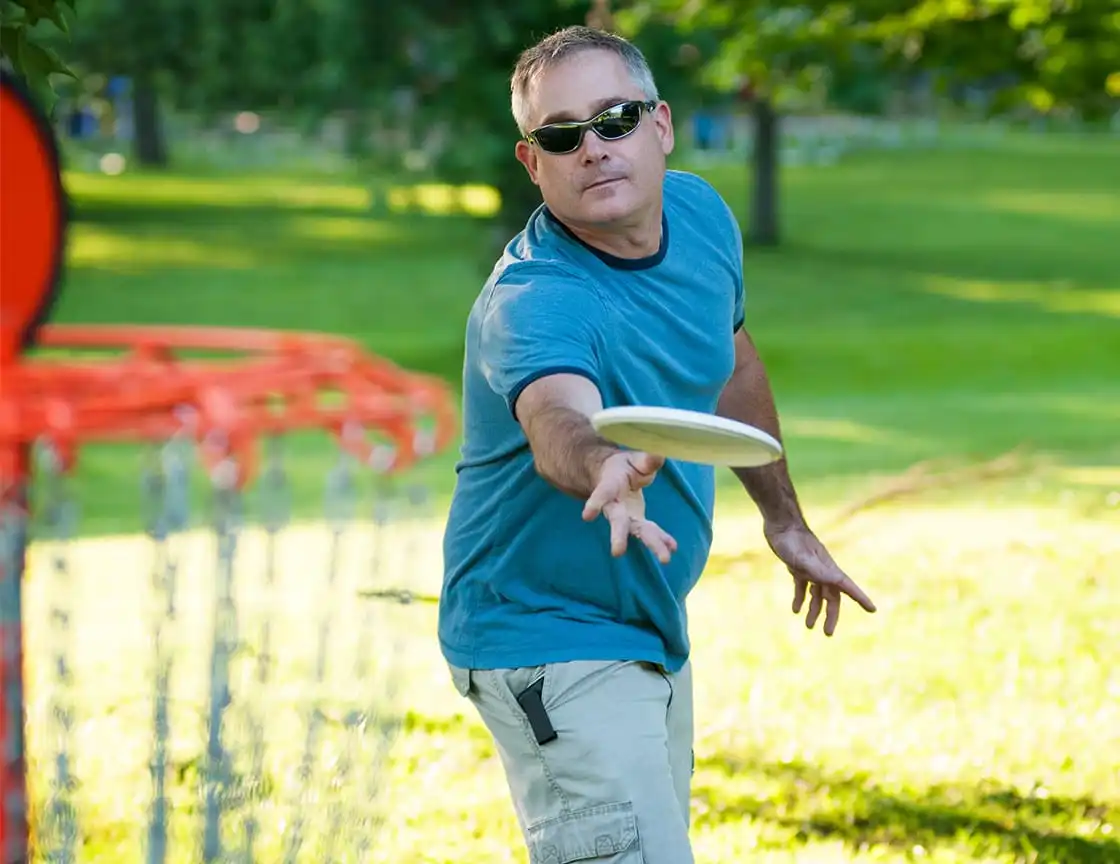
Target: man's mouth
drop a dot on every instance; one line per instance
(607, 181)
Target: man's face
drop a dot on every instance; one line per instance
(601, 183)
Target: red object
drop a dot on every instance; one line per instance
(32, 218)
(276, 382)
(149, 392)
(32, 228)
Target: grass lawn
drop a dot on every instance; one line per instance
(958, 311)
(925, 304)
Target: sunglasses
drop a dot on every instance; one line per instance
(615, 123)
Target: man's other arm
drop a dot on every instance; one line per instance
(748, 397)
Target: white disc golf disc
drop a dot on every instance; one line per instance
(691, 436)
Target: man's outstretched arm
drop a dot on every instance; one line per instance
(555, 411)
(749, 399)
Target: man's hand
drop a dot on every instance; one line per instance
(811, 564)
(618, 497)
(555, 413)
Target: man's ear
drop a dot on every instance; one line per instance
(663, 119)
(527, 156)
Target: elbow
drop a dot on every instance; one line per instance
(542, 468)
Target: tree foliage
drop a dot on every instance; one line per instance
(1053, 54)
(27, 30)
(1048, 53)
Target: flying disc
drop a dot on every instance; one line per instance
(690, 436)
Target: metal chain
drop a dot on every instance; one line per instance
(275, 498)
(218, 773)
(166, 488)
(417, 503)
(360, 723)
(59, 518)
(340, 507)
(165, 483)
(386, 505)
(354, 721)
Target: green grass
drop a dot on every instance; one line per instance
(924, 304)
(937, 309)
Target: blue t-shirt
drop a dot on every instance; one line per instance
(526, 580)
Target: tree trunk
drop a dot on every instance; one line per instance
(763, 229)
(356, 142)
(149, 144)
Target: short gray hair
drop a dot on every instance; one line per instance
(563, 44)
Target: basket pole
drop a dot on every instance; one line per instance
(13, 550)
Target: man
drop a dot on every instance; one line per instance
(568, 561)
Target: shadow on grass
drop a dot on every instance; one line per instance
(804, 803)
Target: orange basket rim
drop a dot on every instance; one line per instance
(186, 337)
(276, 386)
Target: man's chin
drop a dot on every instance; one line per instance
(608, 212)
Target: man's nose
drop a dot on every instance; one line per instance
(593, 149)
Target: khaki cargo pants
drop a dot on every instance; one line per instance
(598, 756)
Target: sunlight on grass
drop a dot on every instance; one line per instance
(322, 195)
(1107, 476)
(1055, 297)
(481, 200)
(975, 716)
(90, 246)
(227, 191)
(437, 199)
(987, 664)
(441, 199)
(342, 228)
(1087, 206)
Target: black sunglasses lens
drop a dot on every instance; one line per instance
(620, 121)
(612, 124)
(558, 139)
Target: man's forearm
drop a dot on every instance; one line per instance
(567, 451)
(749, 399)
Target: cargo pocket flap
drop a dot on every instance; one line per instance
(585, 835)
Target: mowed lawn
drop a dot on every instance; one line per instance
(943, 331)
(924, 305)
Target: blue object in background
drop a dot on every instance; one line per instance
(118, 85)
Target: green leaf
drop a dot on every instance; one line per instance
(12, 40)
(59, 19)
(41, 61)
(35, 10)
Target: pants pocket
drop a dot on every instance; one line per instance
(461, 678)
(607, 834)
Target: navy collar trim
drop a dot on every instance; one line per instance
(615, 261)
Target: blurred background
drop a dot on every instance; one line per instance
(930, 197)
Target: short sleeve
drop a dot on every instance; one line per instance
(740, 313)
(539, 321)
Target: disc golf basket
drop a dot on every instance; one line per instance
(256, 659)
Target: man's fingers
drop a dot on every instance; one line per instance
(816, 599)
(856, 593)
(646, 465)
(657, 540)
(832, 609)
(600, 496)
(800, 586)
(619, 520)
